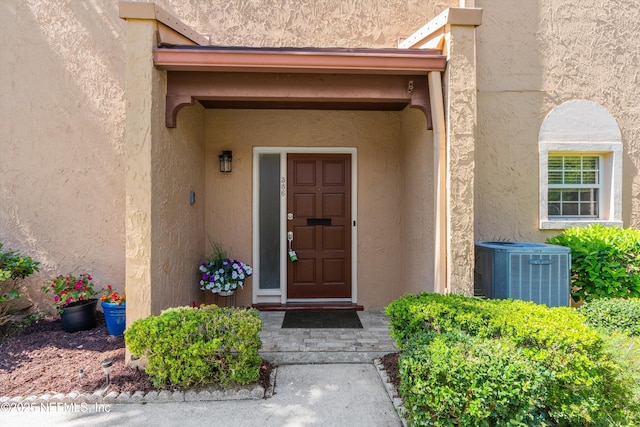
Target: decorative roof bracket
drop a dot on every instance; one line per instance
(335, 79)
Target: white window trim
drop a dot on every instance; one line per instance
(610, 209)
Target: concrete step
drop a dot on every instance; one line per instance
(321, 357)
(325, 345)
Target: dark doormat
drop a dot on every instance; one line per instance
(321, 319)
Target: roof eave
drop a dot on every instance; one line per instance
(355, 61)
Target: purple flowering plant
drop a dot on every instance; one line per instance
(221, 273)
(69, 289)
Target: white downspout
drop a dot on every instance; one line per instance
(440, 282)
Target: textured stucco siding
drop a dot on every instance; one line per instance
(418, 210)
(63, 166)
(301, 23)
(165, 233)
(142, 83)
(461, 113)
(61, 138)
(64, 163)
(382, 187)
(178, 237)
(530, 60)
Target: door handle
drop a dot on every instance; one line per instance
(292, 254)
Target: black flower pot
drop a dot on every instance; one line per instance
(79, 316)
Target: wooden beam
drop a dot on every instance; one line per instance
(291, 90)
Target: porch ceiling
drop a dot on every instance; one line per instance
(295, 78)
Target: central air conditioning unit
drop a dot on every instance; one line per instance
(526, 271)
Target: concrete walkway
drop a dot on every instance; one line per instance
(325, 377)
(305, 395)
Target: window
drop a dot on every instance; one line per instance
(574, 186)
(580, 148)
(269, 217)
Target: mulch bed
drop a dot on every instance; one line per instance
(44, 359)
(390, 364)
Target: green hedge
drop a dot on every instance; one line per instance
(614, 314)
(605, 261)
(619, 319)
(453, 379)
(186, 346)
(580, 384)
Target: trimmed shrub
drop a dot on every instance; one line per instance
(457, 380)
(614, 314)
(605, 261)
(412, 315)
(582, 384)
(13, 267)
(186, 346)
(625, 350)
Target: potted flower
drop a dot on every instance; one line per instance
(73, 299)
(222, 275)
(114, 307)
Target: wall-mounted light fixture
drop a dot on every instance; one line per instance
(225, 161)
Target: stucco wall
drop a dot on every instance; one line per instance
(142, 82)
(63, 166)
(301, 23)
(461, 130)
(530, 60)
(61, 140)
(418, 211)
(165, 233)
(62, 115)
(377, 136)
(178, 239)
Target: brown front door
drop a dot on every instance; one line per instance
(319, 216)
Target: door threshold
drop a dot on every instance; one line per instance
(310, 306)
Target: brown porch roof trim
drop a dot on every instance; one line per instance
(307, 60)
(386, 92)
